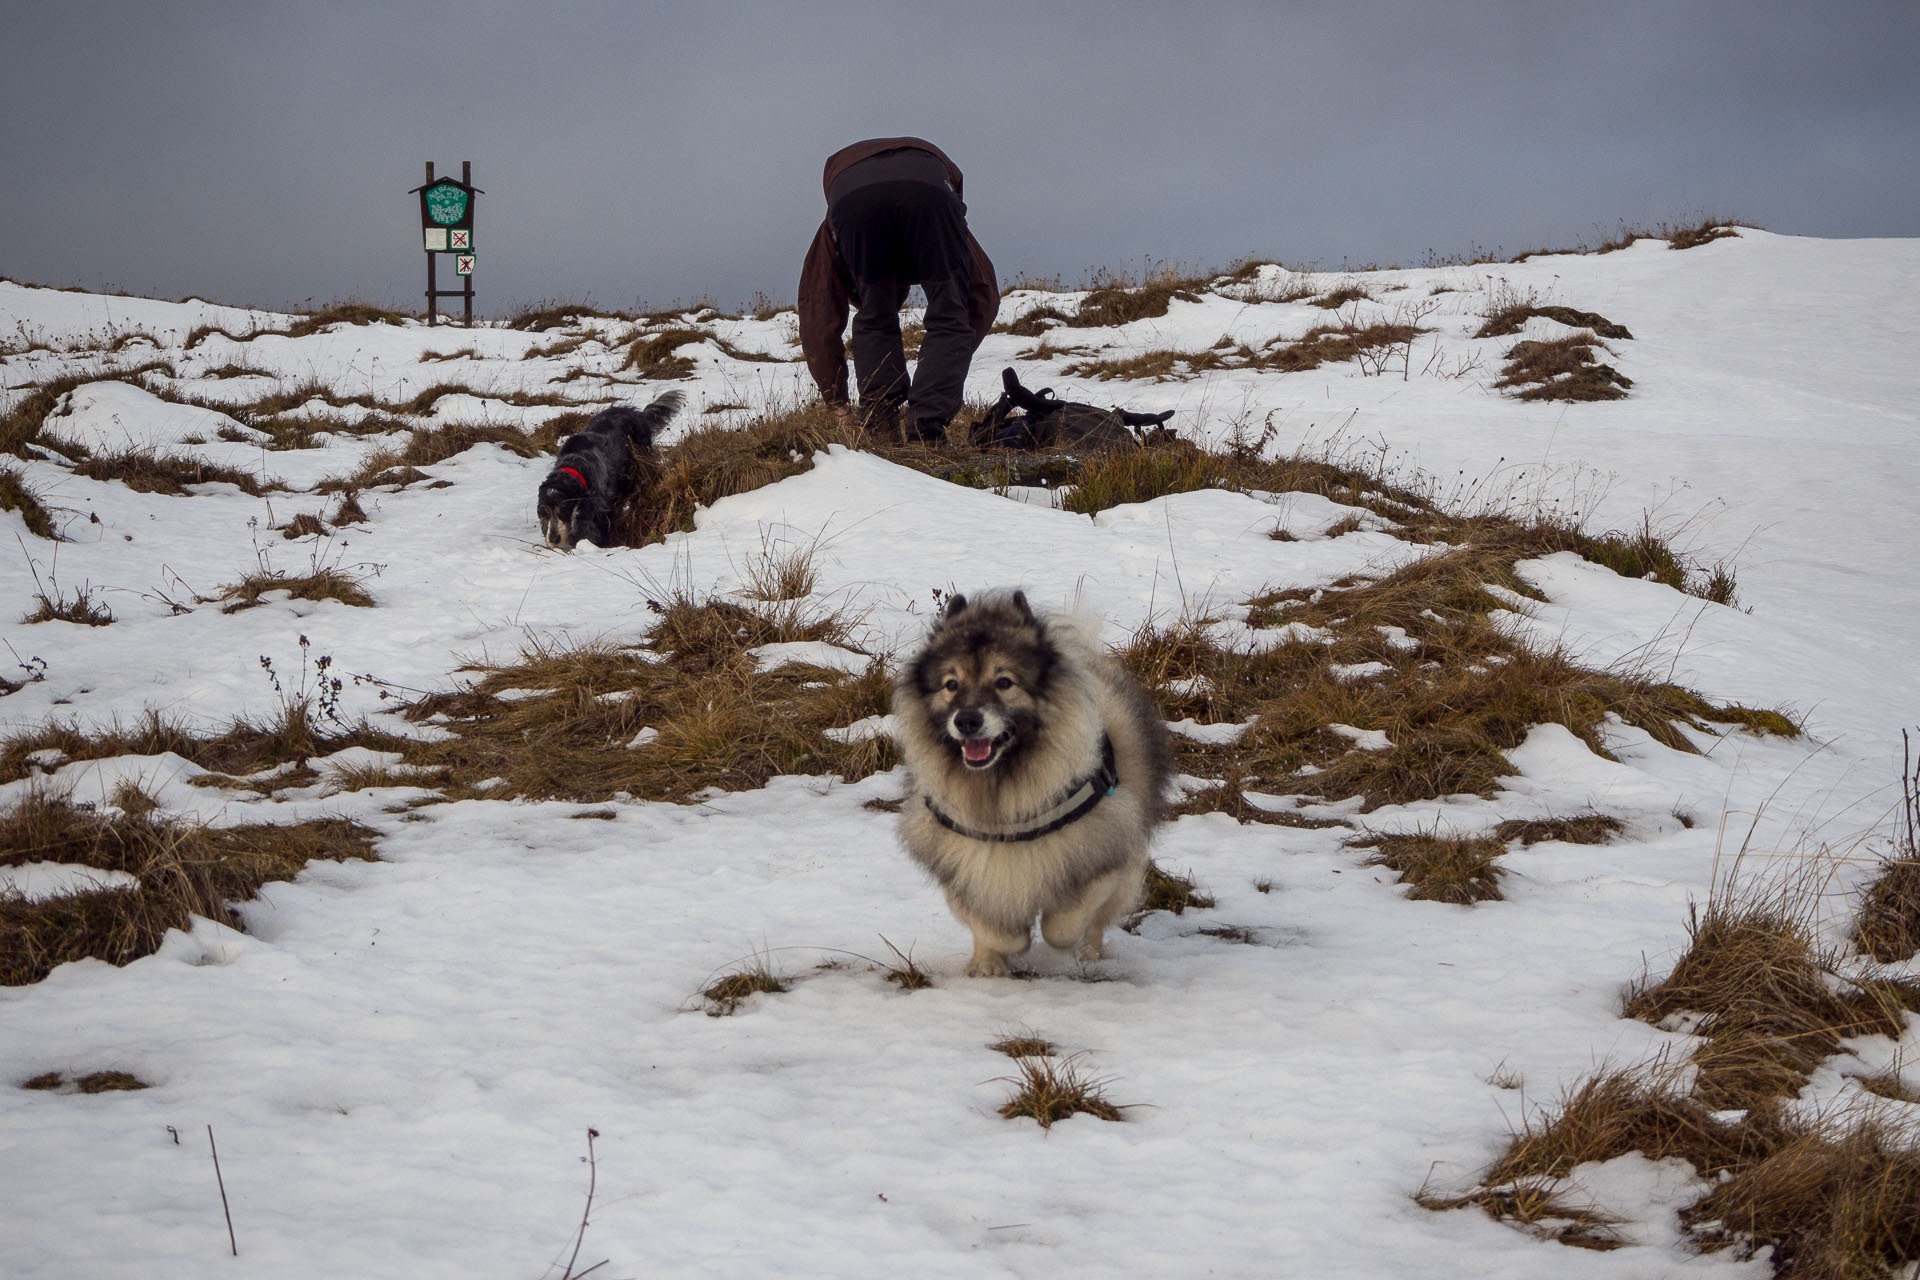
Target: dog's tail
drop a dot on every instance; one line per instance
(644, 426)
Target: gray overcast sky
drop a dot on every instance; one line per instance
(262, 152)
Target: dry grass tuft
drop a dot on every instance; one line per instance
(1023, 1046)
(652, 355)
(1167, 891)
(145, 471)
(714, 462)
(1457, 869)
(906, 973)
(92, 1082)
(183, 871)
(1562, 369)
(1705, 231)
(1586, 828)
(56, 606)
(1887, 926)
(1770, 1004)
(17, 495)
(718, 721)
(346, 311)
(1511, 312)
(1115, 300)
(1050, 1090)
(1832, 1204)
(321, 584)
(755, 977)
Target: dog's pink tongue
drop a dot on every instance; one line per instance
(977, 749)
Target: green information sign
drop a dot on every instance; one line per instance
(446, 203)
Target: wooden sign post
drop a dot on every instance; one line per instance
(446, 226)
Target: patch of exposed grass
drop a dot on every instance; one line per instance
(16, 495)
(145, 471)
(755, 977)
(303, 525)
(1051, 1089)
(1459, 869)
(346, 311)
(1562, 369)
(1035, 322)
(1167, 891)
(538, 317)
(1115, 300)
(1334, 299)
(321, 584)
(1706, 231)
(713, 462)
(92, 1082)
(56, 606)
(1585, 828)
(183, 871)
(1887, 926)
(1770, 1004)
(1024, 1046)
(906, 972)
(718, 720)
(653, 356)
(1510, 312)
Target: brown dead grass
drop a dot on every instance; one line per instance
(1562, 369)
(17, 495)
(1049, 1090)
(1887, 926)
(721, 722)
(1511, 313)
(1117, 301)
(1770, 1003)
(1459, 869)
(184, 870)
(1586, 828)
(145, 471)
(321, 584)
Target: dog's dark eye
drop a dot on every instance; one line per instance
(951, 685)
(1003, 683)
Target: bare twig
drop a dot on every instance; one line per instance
(222, 1182)
(580, 1235)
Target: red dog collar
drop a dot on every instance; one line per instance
(569, 471)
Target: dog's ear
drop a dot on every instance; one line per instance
(1026, 610)
(955, 603)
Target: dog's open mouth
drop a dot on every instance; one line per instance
(978, 753)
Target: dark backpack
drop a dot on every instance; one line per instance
(1039, 421)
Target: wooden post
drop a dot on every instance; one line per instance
(433, 296)
(466, 180)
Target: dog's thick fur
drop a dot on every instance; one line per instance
(999, 716)
(595, 474)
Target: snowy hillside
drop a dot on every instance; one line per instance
(400, 1057)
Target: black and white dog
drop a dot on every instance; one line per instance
(596, 472)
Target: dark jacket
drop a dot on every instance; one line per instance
(826, 286)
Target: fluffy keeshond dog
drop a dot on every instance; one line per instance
(597, 472)
(1038, 770)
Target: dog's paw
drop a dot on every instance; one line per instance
(1093, 948)
(986, 964)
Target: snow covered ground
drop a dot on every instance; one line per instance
(400, 1059)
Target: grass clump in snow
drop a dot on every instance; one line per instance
(145, 471)
(16, 495)
(1562, 369)
(92, 1082)
(1585, 828)
(1024, 1045)
(1051, 1089)
(1115, 299)
(726, 994)
(1166, 891)
(653, 355)
(906, 973)
(1769, 1002)
(321, 584)
(1457, 869)
(183, 870)
(345, 311)
(1887, 926)
(688, 710)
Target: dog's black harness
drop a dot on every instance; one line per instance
(1073, 804)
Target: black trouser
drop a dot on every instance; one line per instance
(895, 233)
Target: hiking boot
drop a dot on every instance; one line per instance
(931, 432)
(881, 420)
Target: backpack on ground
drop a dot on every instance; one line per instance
(1039, 420)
